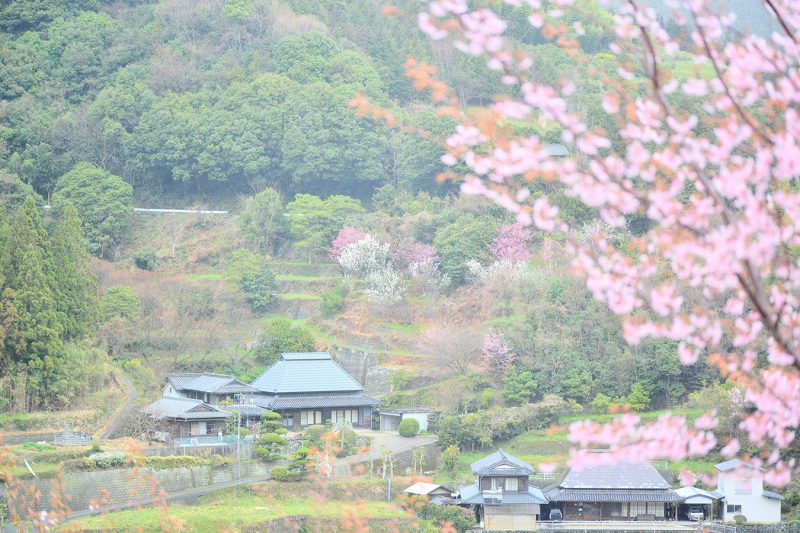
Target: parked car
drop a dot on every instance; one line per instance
(555, 514)
(696, 513)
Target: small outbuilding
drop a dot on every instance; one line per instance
(429, 490)
(390, 418)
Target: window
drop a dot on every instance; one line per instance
(497, 483)
(348, 415)
(638, 508)
(734, 508)
(288, 421)
(616, 509)
(511, 484)
(308, 418)
(197, 429)
(744, 486)
(656, 509)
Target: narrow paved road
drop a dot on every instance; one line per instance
(177, 496)
(113, 424)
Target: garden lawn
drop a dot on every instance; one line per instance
(217, 512)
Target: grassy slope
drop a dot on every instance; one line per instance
(223, 510)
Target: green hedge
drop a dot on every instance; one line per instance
(409, 427)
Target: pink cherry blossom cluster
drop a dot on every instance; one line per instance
(497, 354)
(417, 253)
(347, 236)
(511, 244)
(718, 188)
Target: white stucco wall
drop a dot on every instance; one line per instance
(739, 490)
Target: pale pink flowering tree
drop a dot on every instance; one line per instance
(497, 354)
(417, 253)
(347, 236)
(718, 189)
(511, 244)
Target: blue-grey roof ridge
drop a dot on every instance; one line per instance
(173, 407)
(615, 476)
(315, 372)
(473, 495)
(772, 495)
(305, 356)
(490, 465)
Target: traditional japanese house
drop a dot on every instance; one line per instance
(621, 491)
(185, 418)
(311, 388)
(210, 388)
(502, 496)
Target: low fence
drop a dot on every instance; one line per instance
(22, 438)
(226, 450)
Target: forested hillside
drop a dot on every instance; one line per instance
(107, 105)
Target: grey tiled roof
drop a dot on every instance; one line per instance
(615, 476)
(471, 494)
(501, 464)
(185, 409)
(245, 409)
(690, 492)
(730, 465)
(211, 383)
(772, 495)
(312, 372)
(612, 495)
(302, 401)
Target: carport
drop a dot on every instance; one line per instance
(694, 497)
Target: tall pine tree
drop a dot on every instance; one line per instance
(76, 290)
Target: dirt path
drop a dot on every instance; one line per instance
(132, 394)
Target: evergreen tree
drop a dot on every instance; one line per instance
(77, 286)
(33, 332)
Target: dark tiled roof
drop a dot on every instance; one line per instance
(612, 495)
(501, 464)
(615, 476)
(184, 409)
(471, 494)
(211, 383)
(312, 372)
(302, 401)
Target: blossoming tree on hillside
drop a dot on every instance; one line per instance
(716, 266)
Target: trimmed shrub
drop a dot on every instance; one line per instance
(459, 518)
(104, 460)
(409, 427)
(281, 473)
(739, 518)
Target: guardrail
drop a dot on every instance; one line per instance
(624, 525)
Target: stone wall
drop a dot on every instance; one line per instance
(364, 367)
(124, 485)
(768, 528)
